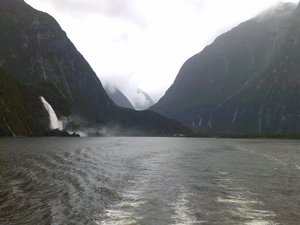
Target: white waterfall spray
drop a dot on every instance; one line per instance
(54, 122)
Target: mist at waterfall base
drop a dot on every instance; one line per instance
(112, 130)
(85, 131)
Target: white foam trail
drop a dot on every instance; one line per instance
(269, 157)
(275, 159)
(183, 214)
(241, 203)
(259, 222)
(54, 122)
(122, 213)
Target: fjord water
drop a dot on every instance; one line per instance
(149, 181)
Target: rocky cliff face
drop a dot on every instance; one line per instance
(36, 51)
(21, 112)
(246, 82)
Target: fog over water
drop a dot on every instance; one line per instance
(149, 181)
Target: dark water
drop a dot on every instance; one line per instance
(149, 181)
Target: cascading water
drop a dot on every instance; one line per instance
(54, 122)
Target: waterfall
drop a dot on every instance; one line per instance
(54, 122)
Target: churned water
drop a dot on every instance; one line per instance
(149, 181)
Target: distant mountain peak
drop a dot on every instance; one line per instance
(118, 97)
(146, 101)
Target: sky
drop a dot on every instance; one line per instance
(141, 44)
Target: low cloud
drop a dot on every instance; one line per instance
(122, 9)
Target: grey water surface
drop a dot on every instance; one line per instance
(149, 181)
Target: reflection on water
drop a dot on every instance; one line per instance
(111, 181)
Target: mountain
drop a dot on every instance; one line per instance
(118, 97)
(21, 110)
(143, 100)
(35, 50)
(37, 53)
(246, 82)
(21, 113)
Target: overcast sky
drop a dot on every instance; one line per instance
(143, 43)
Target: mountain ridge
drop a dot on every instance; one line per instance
(233, 84)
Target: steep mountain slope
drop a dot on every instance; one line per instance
(118, 97)
(36, 51)
(21, 112)
(245, 82)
